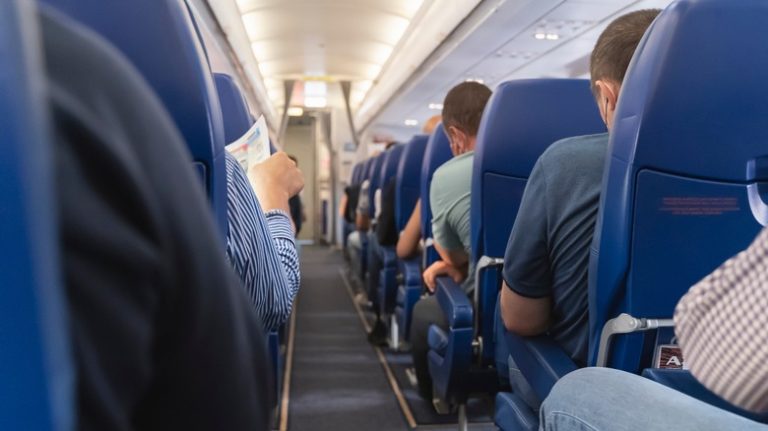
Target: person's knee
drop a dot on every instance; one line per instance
(583, 385)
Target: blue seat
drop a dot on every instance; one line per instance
(438, 152)
(36, 370)
(348, 227)
(685, 183)
(237, 121)
(406, 194)
(387, 279)
(169, 55)
(236, 116)
(372, 259)
(520, 121)
(359, 261)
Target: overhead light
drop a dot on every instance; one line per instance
(478, 80)
(315, 102)
(436, 106)
(553, 36)
(540, 36)
(295, 111)
(411, 122)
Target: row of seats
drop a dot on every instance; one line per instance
(683, 191)
(208, 108)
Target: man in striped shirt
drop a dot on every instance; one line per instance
(721, 327)
(260, 240)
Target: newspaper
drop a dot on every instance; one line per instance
(253, 147)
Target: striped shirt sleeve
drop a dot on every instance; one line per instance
(261, 249)
(722, 326)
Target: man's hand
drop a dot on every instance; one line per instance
(441, 268)
(276, 180)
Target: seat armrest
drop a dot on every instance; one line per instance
(540, 359)
(411, 271)
(454, 302)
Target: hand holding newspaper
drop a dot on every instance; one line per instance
(253, 147)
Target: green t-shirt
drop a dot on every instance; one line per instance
(449, 199)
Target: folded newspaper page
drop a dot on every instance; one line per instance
(253, 147)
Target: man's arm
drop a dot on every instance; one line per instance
(362, 221)
(457, 257)
(524, 316)
(408, 243)
(441, 268)
(260, 246)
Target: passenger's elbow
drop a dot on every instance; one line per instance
(403, 250)
(524, 328)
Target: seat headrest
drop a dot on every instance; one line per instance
(234, 108)
(520, 121)
(696, 93)
(160, 39)
(391, 161)
(438, 152)
(375, 177)
(409, 179)
(354, 179)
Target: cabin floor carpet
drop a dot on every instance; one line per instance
(337, 382)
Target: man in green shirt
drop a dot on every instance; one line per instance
(450, 202)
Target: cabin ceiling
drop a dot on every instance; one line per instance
(324, 40)
(521, 39)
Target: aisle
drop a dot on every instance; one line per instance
(337, 382)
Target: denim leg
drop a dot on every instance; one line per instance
(603, 399)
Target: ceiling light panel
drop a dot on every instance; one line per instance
(341, 39)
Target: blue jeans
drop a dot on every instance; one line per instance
(597, 399)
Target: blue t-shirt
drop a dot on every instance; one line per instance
(548, 249)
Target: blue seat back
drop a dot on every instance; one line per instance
(37, 389)
(438, 151)
(375, 178)
(160, 39)
(520, 121)
(356, 172)
(409, 179)
(235, 115)
(685, 180)
(389, 166)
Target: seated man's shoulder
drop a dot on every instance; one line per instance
(454, 169)
(575, 152)
(564, 149)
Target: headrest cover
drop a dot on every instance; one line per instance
(521, 120)
(696, 93)
(234, 109)
(438, 152)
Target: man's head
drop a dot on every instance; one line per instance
(611, 56)
(462, 111)
(431, 124)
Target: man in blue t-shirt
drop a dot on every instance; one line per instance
(547, 257)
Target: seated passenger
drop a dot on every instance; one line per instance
(162, 332)
(450, 202)
(547, 256)
(260, 239)
(410, 236)
(720, 326)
